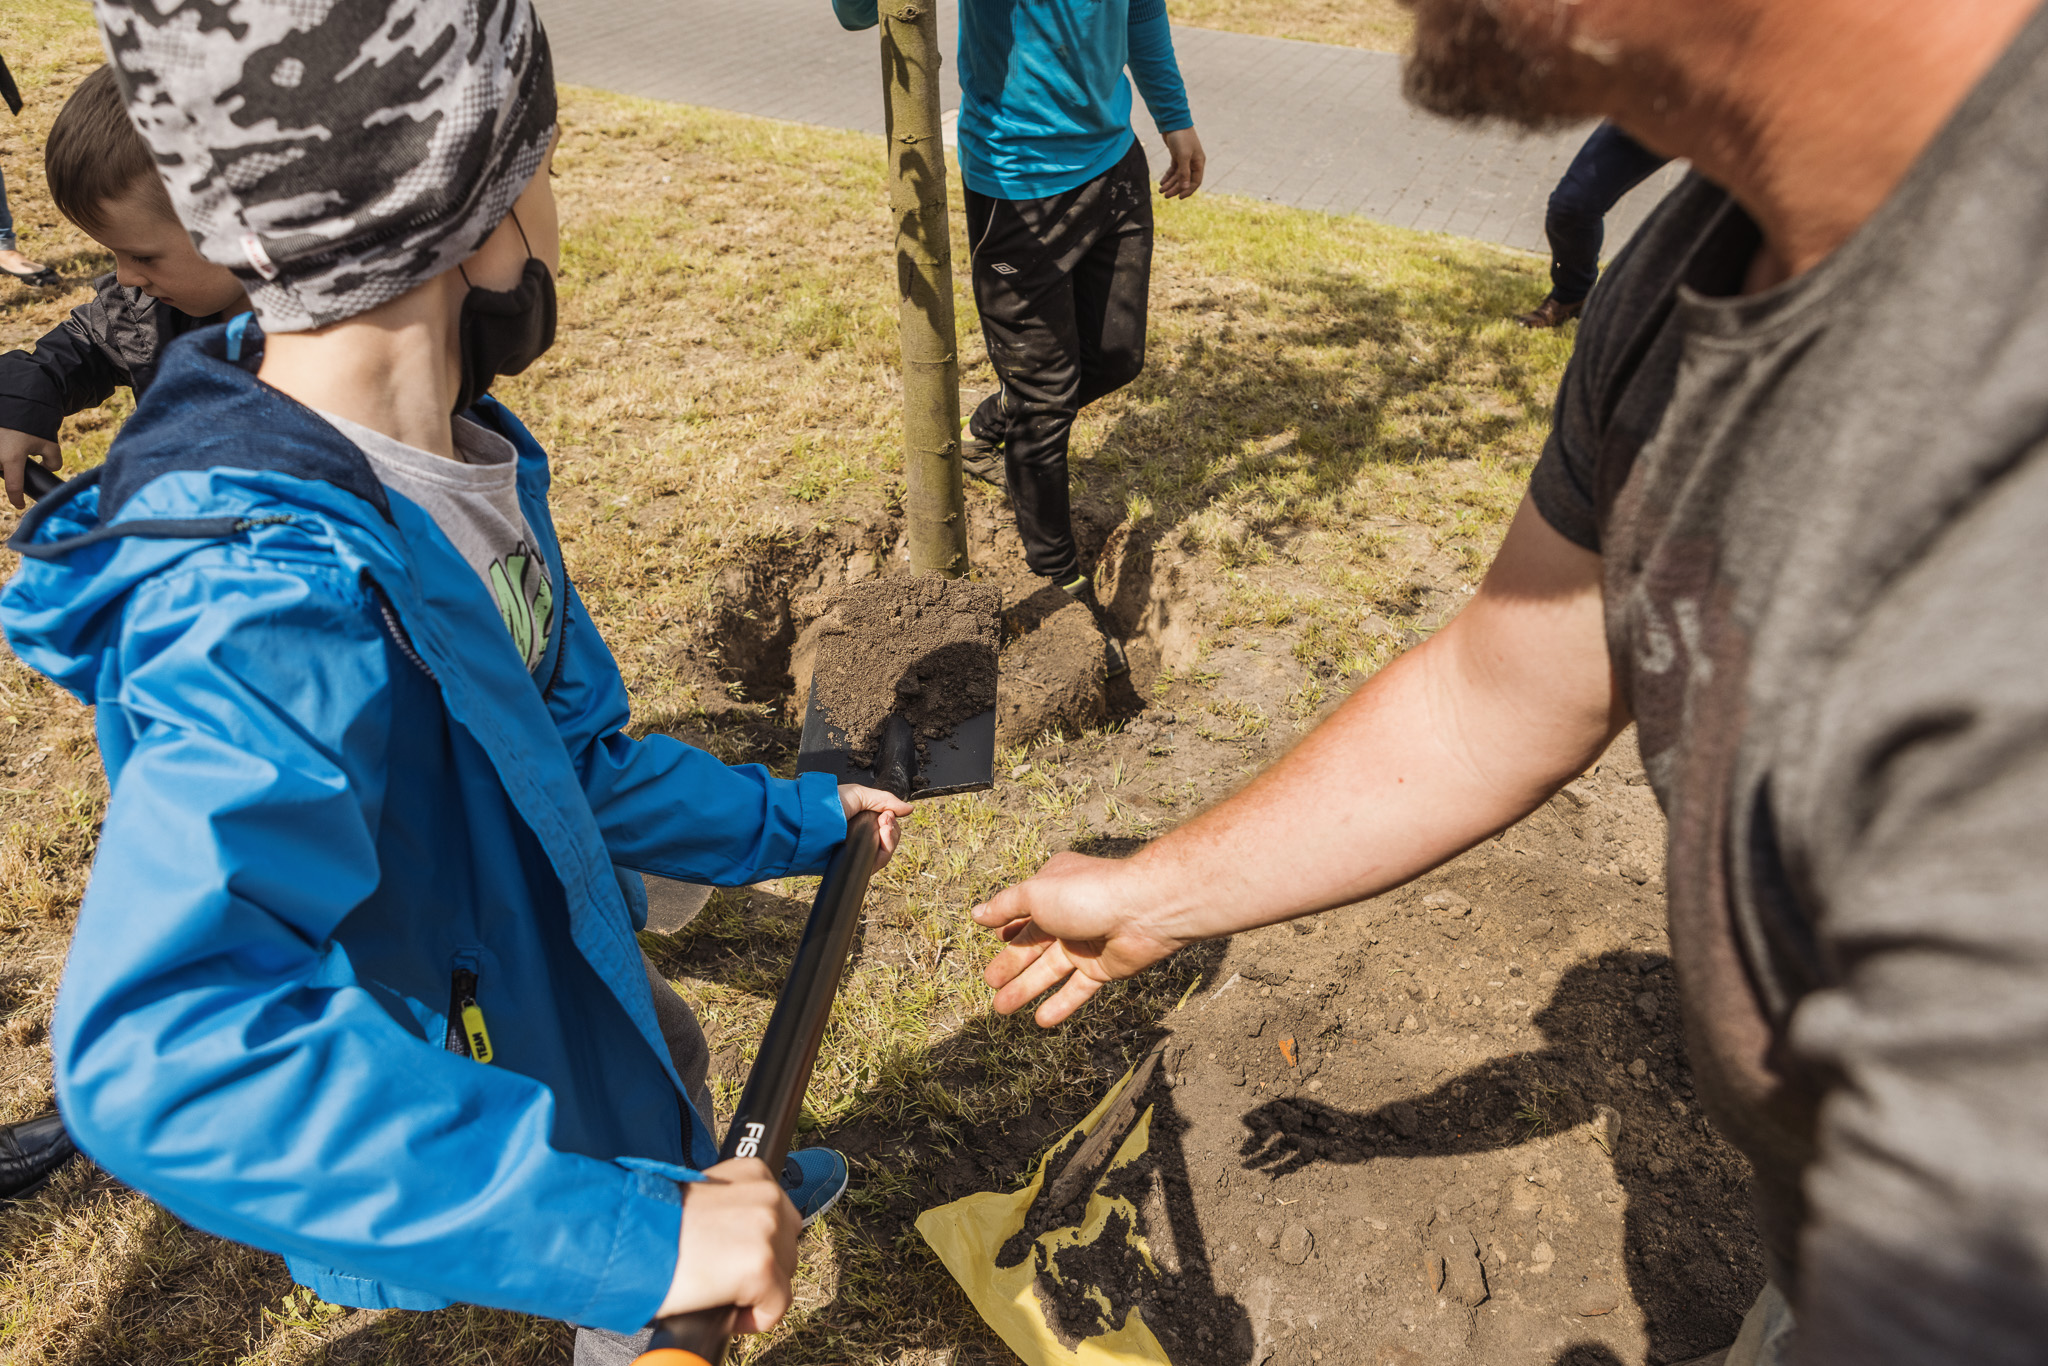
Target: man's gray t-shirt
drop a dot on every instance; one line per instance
(1822, 512)
(475, 502)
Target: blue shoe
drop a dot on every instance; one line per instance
(814, 1179)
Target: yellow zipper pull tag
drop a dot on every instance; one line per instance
(473, 1029)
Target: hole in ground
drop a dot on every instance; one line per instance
(1053, 668)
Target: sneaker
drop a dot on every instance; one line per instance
(1549, 313)
(980, 459)
(1082, 590)
(814, 1178)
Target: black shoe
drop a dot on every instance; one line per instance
(42, 277)
(980, 459)
(1082, 590)
(30, 1154)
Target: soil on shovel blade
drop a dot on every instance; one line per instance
(923, 647)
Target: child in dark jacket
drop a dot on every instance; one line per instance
(355, 979)
(102, 179)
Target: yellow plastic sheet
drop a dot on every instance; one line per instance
(969, 1233)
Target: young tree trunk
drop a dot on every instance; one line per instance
(933, 504)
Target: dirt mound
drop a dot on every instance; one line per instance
(1053, 667)
(770, 608)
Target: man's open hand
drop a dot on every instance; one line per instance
(1079, 921)
(16, 450)
(1184, 176)
(738, 1246)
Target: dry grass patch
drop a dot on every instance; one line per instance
(1380, 25)
(1323, 395)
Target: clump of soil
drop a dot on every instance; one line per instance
(1087, 1289)
(1071, 1281)
(923, 647)
(1053, 666)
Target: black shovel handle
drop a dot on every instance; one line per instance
(39, 483)
(766, 1119)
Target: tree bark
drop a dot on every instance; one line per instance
(933, 504)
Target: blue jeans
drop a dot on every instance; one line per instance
(6, 220)
(1610, 165)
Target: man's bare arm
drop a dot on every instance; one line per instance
(1455, 740)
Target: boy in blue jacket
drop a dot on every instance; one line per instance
(1059, 219)
(355, 979)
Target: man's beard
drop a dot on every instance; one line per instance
(1466, 65)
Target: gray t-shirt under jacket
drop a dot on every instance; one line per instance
(475, 502)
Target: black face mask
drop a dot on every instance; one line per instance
(502, 331)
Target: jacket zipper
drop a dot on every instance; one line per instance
(398, 635)
(561, 642)
(467, 1033)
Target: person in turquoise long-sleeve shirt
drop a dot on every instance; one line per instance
(1060, 220)
(1044, 104)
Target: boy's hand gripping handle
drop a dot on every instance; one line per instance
(768, 1109)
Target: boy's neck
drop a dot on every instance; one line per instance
(395, 369)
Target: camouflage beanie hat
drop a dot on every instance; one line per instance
(335, 153)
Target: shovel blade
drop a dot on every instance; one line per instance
(962, 761)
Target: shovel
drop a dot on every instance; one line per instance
(765, 1121)
(39, 483)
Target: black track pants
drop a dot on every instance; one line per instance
(1061, 284)
(1609, 165)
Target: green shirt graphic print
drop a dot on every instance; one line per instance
(519, 584)
(474, 500)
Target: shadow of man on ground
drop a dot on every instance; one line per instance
(1689, 1248)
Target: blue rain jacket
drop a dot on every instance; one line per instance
(339, 803)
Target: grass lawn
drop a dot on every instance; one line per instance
(1381, 25)
(724, 376)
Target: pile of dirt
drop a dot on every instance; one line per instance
(1090, 1288)
(923, 647)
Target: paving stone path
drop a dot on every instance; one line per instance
(1306, 124)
